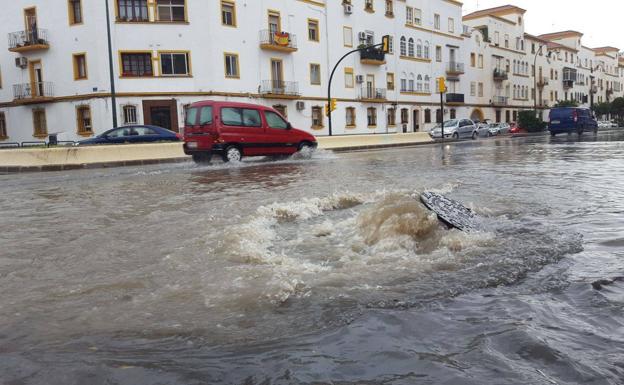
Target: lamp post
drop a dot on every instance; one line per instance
(110, 65)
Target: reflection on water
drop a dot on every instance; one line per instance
(319, 271)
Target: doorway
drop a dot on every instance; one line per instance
(370, 86)
(161, 113)
(30, 24)
(36, 78)
(416, 120)
(277, 76)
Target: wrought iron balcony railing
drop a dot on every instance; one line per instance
(279, 87)
(33, 90)
(373, 93)
(279, 41)
(35, 38)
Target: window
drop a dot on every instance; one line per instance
(409, 15)
(427, 116)
(419, 83)
(427, 83)
(317, 117)
(348, 77)
(347, 36)
(436, 21)
(313, 30)
(506, 41)
(410, 47)
(231, 65)
(438, 53)
(350, 116)
(390, 81)
(80, 66)
(473, 88)
(371, 116)
(480, 90)
(83, 118)
(315, 74)
(132, 10)
(368, 5)
(240, 117)
(40, 125)
(390, 45)
(136, 64)
(403, 85)
(228, 13)
(473, 60)
(404, 115)
(403, 46)
(426, 50)
(130, 114)
(170, 10)
(281, 109)
(391, 117)
(75, 12)
(451, 25)
(453, 113)
(389, 8)
(275, 121)
(174, 64)
(3, 129)
(417, 16)
(480, 61)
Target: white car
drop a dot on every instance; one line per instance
(499, 129)
(456, 129)
(604, 124)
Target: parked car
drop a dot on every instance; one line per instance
(614, 124)
(499, 129)
(514, 128)
(456, 129)
(604, 124)
(134, 134)
(571, 119)
(483, 128)
(234, 130)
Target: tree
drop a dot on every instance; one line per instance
(566, 103)
(528, 121)
(602, 109)
(617, 107)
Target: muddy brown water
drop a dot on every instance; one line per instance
(321, 271)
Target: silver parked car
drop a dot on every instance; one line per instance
(456, 129)
(499, 128)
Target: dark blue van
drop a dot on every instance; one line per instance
(571, 119)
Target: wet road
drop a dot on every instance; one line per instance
(321, 271)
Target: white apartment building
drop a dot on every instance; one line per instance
(55, 76)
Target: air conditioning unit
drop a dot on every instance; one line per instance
(300, 106)
(362, 36)
(348, 9)
(21, 62)
(359, 79)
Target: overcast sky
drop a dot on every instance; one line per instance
(601, 21)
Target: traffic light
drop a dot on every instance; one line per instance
(441, 85)
(330, 107)
(385, 47)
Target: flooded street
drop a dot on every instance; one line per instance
(321, 271)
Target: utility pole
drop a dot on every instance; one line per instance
(110, 65)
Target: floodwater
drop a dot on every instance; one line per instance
(321, 271)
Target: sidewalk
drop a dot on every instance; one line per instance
(69, 158)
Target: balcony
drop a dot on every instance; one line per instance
(500, 100)
(454, 68)
(373, 56)
(369, 94)
(500, 75)
(542, 81)
(27, 93)
(30, 40)
(279, 89)
(454, 99)
(278, 41)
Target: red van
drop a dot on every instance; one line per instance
(234, 130)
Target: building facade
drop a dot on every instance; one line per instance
(55, 75)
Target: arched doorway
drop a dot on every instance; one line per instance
(477, 114)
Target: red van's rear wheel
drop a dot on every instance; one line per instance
(232, 154)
